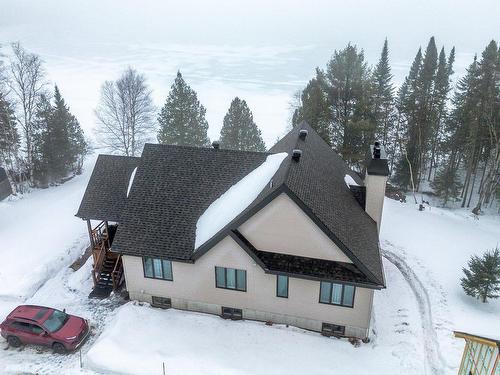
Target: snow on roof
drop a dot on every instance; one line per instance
(350, 181)
(131, 181)
(236, 199)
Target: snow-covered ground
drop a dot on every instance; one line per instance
(430, 248)
(193, 343)
(39, 235)
(412, 326)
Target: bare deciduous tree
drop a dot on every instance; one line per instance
(27, 83)
(126, 112)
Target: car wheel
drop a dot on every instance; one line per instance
(14, 341)
(59, 348)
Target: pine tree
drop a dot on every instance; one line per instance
(422, 124)
(314, 108)
(72, 144)
(440, 95)
(383, 101)
(406, 106)
(9, 140)
(488, 93)
(482, 278)
(182, 118)
(239, 131)
(59, 144)
(43, 145)
(446, 183)
(349, 85)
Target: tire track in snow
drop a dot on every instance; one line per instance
(435, 363)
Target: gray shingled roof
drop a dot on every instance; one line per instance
(174, 185)
(316, 183)
(106, 192)
(172, 188)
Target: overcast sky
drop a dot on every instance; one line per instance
(262, 51)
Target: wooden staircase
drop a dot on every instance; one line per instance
(107, 270)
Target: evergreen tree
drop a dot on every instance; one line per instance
(488, 120)
(43, 145)
(314, 108)
(349, 86)
(72, 144)
(239, 131)
(446, 183)
(482, 278)
(59, 144)
(182, 118)
(9, 139)
(383, 101)
(406, 106)
(440, 95)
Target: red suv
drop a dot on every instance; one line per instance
(40, 325)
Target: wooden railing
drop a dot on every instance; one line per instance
(99, 254)
(116, 275)
(100, 234)
(100, 238)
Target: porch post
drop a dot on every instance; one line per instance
(89, 227)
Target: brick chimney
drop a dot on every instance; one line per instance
(376, 175)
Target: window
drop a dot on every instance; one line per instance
(56, 320)
(328, 329)
(164, 303)
(231, 313)
(282, 286)
(230, 278)
(27, 327)
(336, 294)
(157, 268)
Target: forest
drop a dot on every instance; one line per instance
(441, 133)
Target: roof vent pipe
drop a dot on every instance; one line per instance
(376, 150)
(303, 134)
(296, 154)
(216, 145)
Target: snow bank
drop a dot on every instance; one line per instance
(140, 339)
(236, 199)
(39, 235)
(350, 181)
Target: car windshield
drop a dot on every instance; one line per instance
(55, 321)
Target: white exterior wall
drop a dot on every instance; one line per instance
(375, 193)
(282, 227)
(193, 288)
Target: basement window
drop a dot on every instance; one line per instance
(231, 313)
(162, 302)
(328, 329)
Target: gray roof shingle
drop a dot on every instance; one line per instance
(174, 185)
(106, 192)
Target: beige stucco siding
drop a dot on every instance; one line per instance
(194, 285)
(282, 227)
(375, 193)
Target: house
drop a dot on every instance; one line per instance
(5, 188)
(288, 236)
(481, 355)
